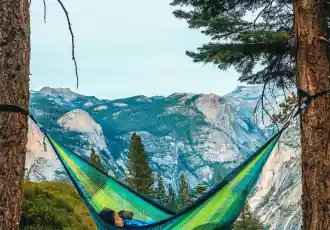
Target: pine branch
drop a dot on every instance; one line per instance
(261, 12)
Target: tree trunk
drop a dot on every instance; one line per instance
(14, 89)
(313, 70)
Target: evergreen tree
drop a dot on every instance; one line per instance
(139, 176)
(160, 190)
(171, 198)
(245, 42)
(196, 193)
(247, 221)
(183, 196)
(286, 109)
(95, 160)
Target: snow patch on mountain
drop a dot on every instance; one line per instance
(120, 104)
(157, 97)
(88, 104)
(205, 173)
(143, 99)
(101, 107)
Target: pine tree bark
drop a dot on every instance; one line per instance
(312, 71)
(14, 89)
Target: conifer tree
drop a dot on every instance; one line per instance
(198, 191)
(139, 176)
(160, 190)
(171, 198)
(247, 221)
(183, 196)
(286, 108)
(95, 160)
(243, 42)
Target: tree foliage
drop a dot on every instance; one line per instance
(286, 109)
(255, 37)
(172, 198)
(140, 177)
(198, 191)
(95, 160)
(242, 43)
(160, 190)
(183, 196)
(247, 221)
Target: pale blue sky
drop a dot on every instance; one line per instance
(123, 48)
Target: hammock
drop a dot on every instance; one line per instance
(217, 209)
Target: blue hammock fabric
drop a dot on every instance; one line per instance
(138, 223)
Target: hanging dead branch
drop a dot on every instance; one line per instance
(262, 102)
(72, 40)
(45, 10)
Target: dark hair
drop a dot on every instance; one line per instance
(107, 215)
(126, 215)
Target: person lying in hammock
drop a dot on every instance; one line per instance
(122, 218)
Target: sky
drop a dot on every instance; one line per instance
(123, 48)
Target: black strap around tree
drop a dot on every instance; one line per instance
(17, 109)
(13, 108)
(2, 211)
(309, 97)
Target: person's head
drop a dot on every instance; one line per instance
(111, 217)
(126, 215)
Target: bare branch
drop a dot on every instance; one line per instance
(45, 10)
(288, 9)
(285, 97)
(271, 91)
(261, 103)
(72, 39)
(260, 13)
(270, 104)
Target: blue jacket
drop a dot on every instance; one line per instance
(138, 222)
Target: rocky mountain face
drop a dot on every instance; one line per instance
(203, 136)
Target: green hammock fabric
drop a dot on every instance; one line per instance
(102, 191)
(217, 209)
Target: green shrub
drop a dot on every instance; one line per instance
(53, 205)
